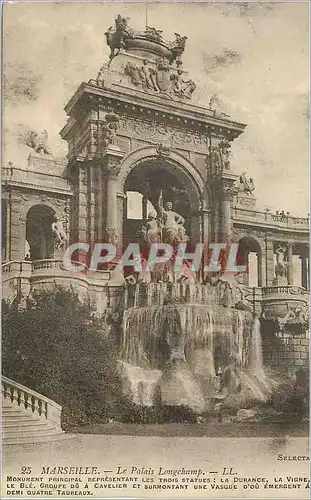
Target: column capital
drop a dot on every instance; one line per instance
(111, 160)
(226, 186)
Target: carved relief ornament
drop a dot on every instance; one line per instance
(227, 190)
(160, 79)
(112, 166)
(157, 132)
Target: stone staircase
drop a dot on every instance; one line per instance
(27, 416)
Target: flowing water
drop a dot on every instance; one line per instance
(180, 346)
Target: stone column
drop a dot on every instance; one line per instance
(269, 262)
(206, 235)
(259, 269)
(5, 230)
(144, 207)
(290, 264)
(227, 191)
(82, 203)
(112, 160)
(17, 229)
(304, 270)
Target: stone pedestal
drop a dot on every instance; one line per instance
(280, 281)
(245, 200)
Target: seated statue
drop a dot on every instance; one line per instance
(172, 223)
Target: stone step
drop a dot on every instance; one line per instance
(32, 439)
(24, 424)
(31, 432)
(12, 409)
(12, 419)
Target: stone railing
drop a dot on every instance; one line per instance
(13, 266)
(32, 401)
(241, 214)
(46, 264)
(283, 290)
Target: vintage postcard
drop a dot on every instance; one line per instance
(155, 250)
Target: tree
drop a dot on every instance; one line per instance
(59, 347)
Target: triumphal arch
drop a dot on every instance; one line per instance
(136, 129)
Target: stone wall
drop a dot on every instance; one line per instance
(285, 352)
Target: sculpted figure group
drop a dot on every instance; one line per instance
(167, 226)
(160, 78)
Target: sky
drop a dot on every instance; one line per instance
(253, 56)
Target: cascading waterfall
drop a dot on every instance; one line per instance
(180, 346)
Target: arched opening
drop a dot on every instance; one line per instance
(39, 234)
(250, 256)
(156, 181)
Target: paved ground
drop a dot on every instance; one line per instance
(248, 457)
(205, 429)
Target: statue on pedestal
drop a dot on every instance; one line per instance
(173, 230)
(116, 37)
(281, 264)
(59, 234)
(151, 232)
(38, 142)
(109, 129)
(246, 185)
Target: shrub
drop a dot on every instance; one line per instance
(159, 414)
(291, 399)
(57, 346)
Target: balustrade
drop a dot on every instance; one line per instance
(30, 400)
(279, 290)
(46, 264)
(269, 218)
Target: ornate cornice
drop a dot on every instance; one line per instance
(131, 102)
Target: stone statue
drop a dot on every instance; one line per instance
(151, 231)
(38, 142)
(153, 34)
(111, 235)
(172, 223)
(59, 234)
(188, 88)
(281, 265)
(134, 74)
(148, 76)
(212, 161)
(182, 88)
(159, 78)
(298, 315)
(122, 26)
(177, 48)
(225, 150)
(109, 129)
(177, 81)
(116, 37)
(246, 185)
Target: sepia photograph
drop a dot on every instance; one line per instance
(155, 249)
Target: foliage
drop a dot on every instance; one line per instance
(159, 414)
(291, 398)
(57, 346)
